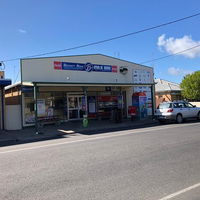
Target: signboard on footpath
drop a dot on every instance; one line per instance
(41, 107)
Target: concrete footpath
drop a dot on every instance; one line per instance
(74, 127)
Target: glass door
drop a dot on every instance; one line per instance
(75, 107)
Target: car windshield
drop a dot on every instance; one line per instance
(165, 105)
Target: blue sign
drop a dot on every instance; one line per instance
(5, 82)
(27, 89)
(88, 67)
(84, 67)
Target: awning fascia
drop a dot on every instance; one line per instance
(90, 84)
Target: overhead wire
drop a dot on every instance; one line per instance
(106, 40)
(148, 61)
(163, 57)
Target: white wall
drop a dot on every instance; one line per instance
(42, 70)
(13, 117)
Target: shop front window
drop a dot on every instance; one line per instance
(106, 106)
(49, 105)
(73, 102)
(29, 114)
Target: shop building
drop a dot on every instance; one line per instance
(66, 88)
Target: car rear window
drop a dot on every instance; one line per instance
(179, 105)
(165, 105)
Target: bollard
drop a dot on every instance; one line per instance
(85, 121)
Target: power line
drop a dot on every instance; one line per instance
(107, 40)
(148, 61)
(160, 58)
(17, 76)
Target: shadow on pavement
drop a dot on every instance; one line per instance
(17, 141)
(51, 132)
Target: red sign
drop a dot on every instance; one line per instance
(114, 69)
(57, 65)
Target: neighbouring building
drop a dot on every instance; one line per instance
(68, 87)
(3, 83)
(166, 91)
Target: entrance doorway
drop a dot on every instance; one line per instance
(75, 107)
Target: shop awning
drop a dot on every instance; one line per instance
(90, 84)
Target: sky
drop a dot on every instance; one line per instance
(29, 27)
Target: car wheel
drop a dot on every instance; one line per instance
(198, 116)
(179, 119)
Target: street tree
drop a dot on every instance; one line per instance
(190, 86)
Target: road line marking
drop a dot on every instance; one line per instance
(109, 135)
(180, 192)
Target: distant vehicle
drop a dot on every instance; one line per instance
(177, 111)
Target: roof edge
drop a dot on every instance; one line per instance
(99, 54)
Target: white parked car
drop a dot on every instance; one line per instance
(177, 110)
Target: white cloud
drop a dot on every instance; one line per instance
(22, 31)
(173, 45)
(175, 71)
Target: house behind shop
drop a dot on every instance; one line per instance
(166, 91)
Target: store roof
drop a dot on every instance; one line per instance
(163, 86)
(12, 86)
(88, 55)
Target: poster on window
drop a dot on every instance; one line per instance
(92, 104)
(41, 106)
(50, 112)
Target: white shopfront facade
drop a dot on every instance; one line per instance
(69, 87)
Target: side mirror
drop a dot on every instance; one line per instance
(194, 106)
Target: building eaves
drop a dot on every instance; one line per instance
(89, 55)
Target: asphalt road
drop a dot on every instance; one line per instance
(157, 163)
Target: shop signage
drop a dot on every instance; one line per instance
(141, 76)
(84, 67)
(27, 89)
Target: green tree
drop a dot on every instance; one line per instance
(190, 86)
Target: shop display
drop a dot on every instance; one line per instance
(106, 104)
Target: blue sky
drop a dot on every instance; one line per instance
(31, 27)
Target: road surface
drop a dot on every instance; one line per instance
(156, 163)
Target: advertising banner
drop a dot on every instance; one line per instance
(84, 67)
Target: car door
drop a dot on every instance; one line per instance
(182, 109)
(176, 108)
(192, 111)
